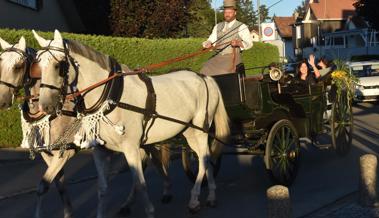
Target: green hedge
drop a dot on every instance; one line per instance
(135, 52)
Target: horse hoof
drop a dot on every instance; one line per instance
(194, 210)
(166, 199)
(124, 211)
(211, 204)
(68, 214)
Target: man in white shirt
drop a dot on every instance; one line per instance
(229, 55)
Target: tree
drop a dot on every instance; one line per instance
(168, 19)
(369, 10)
(148, 18)
(246, 13)
(301, 9)
(201, 18)
(129, 17)
(264, 13)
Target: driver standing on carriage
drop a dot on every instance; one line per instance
(231, 30)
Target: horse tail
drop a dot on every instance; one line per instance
(221, 121)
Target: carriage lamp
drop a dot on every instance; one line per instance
(276, 74)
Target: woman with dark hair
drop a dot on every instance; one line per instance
(303, 72)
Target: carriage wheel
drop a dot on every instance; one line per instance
(341, 124)
(190, 161)
(282, 152)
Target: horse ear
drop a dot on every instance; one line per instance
(41, 41)
(22, 44)
(57, 35)
(4, 44)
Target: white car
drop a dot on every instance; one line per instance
(367, 89)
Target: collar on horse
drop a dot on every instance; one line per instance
(112, 91)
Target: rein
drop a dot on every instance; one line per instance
(149, 68)
(143, 70)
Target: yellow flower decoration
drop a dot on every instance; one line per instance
(339, 74)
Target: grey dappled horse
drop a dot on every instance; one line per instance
(182, 95)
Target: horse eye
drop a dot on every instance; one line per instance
(56, 66)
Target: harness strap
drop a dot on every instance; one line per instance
(9, 85)
(43, 85)
(156, 115)
(206, 122)
(150, 106)
(68, 113)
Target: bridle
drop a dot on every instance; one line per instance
(64, 66)
(28, 57)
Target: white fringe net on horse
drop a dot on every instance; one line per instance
(35, 134)
(88, 135)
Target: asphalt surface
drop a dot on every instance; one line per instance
(324, 181)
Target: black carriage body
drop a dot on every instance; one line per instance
(268, 118)
(254, 106)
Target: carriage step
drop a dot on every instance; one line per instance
(317, 144)
(322, 146)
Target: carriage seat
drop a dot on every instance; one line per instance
(253, 77)
(296, 109)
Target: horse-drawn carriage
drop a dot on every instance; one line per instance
(269, 114)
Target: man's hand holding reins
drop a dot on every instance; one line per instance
(237, 43)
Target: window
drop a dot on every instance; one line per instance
(32, 4)
(366, 71)
(339, 41)
(298, 32)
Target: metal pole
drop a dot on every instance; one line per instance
(259, 19)
(215, 12)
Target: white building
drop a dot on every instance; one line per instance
(279, 33)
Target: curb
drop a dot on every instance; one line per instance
(14, 154)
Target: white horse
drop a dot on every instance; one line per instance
(14, 67)
(183, 95)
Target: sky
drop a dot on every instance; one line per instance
(284, 8)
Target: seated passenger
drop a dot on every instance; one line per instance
(304, 75)
(324, 66)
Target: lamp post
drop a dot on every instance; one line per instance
(259, 19)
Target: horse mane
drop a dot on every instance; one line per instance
(179, 69)
(90, 53)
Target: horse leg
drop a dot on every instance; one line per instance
(60, 184)
(161, 160)
(197, 142)
(126, 207)
(133, 157)
(211, 199)
(55, 164)
(102, 158)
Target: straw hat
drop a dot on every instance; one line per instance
(230, 4)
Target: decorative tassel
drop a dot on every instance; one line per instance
(88, 136)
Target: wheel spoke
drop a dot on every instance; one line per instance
(288, 137)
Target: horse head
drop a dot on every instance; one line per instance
(14, 64)
(53, 62)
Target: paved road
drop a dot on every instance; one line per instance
(323, 178)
